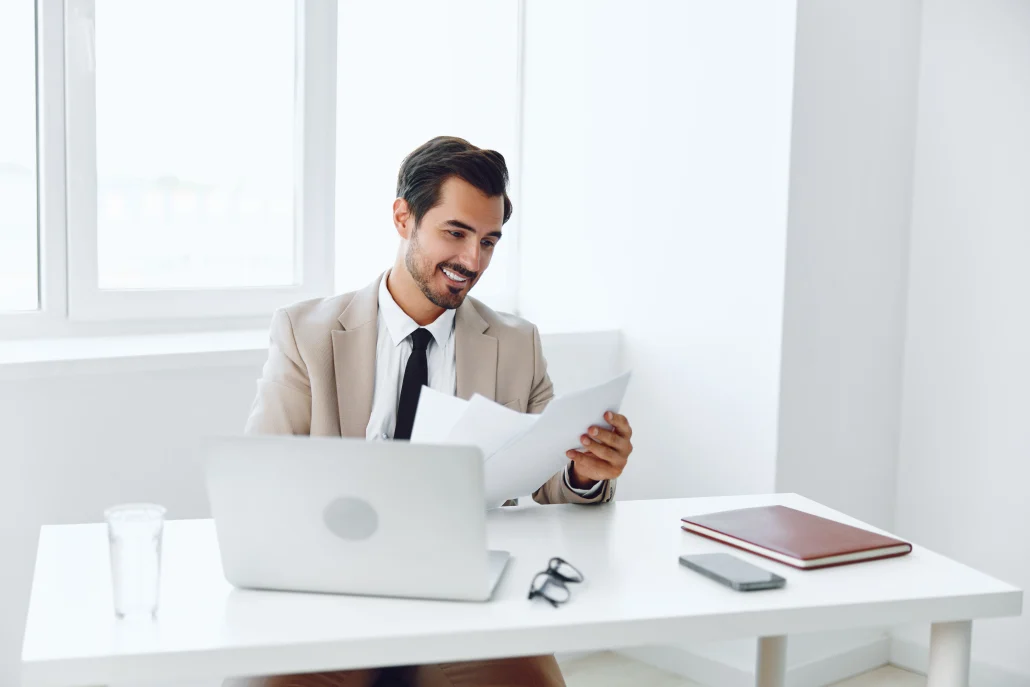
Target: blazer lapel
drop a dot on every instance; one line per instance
(354, 359)
(475, 354)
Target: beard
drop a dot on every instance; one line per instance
(423, 270)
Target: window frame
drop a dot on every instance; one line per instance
(314, 166)
(51, 255)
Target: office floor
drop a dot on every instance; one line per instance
(612, 670)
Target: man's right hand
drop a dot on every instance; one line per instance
(604, 454)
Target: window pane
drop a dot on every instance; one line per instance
(195, 143)
(409, 70)
(19, 261)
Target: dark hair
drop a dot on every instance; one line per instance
(426, 168)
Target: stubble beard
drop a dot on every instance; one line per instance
(423, 271)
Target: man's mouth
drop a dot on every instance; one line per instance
(454, 277)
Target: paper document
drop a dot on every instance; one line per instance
(489, 425)
(520, 451)
(436, 413)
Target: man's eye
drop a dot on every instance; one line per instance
(457, 234)
(488, 244)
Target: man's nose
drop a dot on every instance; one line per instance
(469, 257)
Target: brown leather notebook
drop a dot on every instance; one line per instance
(790, 536)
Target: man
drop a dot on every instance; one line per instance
(353, 365)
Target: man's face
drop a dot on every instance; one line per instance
(452, 246)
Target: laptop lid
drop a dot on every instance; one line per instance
(328, 514)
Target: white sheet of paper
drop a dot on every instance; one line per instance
(489, 425)
(436, 414)
(529, 460)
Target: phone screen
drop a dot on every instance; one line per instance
(730, 568)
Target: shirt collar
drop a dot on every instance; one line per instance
(400, 325)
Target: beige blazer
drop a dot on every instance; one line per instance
(320, 372)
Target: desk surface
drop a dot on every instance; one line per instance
(635, 593)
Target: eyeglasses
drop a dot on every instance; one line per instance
(551, 584)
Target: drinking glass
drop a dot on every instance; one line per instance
(134, 531)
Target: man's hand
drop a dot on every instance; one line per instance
(604, 453)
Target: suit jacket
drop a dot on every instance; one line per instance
(320, 372)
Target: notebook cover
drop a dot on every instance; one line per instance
(794, 533)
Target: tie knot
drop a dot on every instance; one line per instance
(420, 339)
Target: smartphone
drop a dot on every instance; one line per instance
(732, 572)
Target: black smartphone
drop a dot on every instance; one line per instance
(732, 572)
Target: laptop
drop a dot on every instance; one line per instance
(347, 516)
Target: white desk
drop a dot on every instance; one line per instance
(636, 593)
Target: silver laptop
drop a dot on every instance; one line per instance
(320, 514)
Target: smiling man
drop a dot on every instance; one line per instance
(354, 365)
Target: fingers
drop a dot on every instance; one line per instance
(591, 467)
(620, 423)
(606, 453)
(610, 438)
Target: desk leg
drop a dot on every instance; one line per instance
(772, 661)
(950, 644)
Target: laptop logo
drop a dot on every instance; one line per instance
(351, 518)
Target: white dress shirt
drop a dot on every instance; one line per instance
(393, 348)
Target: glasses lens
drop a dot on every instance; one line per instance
(565, 570)
(547, 586)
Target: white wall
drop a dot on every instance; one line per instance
(965, 445)
(855, 76)
(656, 145)
(76, 443)
(855, 79)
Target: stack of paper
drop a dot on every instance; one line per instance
(521, 451)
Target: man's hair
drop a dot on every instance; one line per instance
(426, 168)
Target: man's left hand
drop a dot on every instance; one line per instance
(604, 453)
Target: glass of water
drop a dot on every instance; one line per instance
(134, 531)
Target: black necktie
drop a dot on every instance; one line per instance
(416, 375)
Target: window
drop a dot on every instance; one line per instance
(19, 257)
(173, 161)
(189, 131)
(409, 71)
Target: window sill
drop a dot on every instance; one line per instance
(34, 358)
(55, 357)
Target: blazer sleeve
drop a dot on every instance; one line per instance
(556, 489)
(283, 401)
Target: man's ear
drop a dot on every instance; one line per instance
(403, 220)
